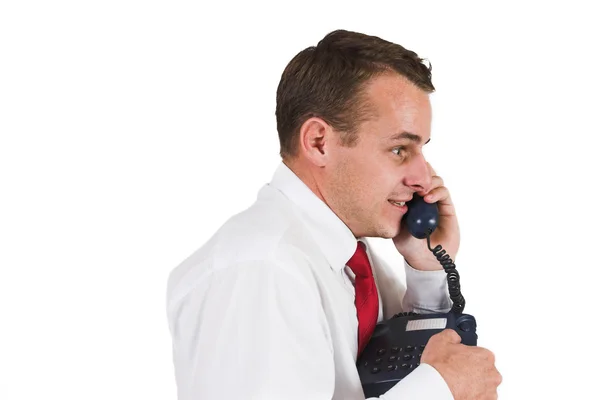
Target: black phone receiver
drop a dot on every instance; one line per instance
(421, 217)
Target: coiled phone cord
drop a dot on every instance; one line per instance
(453, 277)
(458, 301)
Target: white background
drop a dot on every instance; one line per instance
(131, 130)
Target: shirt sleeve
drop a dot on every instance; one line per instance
(252, 331)
(424, 383)
(426, 291)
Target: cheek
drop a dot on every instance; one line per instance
(365, 181)
(355, 188)
(379, 184)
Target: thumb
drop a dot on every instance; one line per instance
(450, 336)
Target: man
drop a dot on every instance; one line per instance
(273, 305)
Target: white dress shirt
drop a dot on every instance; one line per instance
(265, 309)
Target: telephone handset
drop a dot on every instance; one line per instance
(395, 347)
(421, 217)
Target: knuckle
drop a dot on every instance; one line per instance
(498, 379)
(487, 355)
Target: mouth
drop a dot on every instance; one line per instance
(398, 203)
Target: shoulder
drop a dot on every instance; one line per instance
(267, 236)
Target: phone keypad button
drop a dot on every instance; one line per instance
(375, 370)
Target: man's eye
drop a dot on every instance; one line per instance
(399, 151)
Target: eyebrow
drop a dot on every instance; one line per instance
(409, 136)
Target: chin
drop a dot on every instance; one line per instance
(388, 231)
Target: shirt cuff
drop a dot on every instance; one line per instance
(426, 291)
(424, 383)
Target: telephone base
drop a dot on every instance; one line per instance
(396, 345)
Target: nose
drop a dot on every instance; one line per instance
(418, 176)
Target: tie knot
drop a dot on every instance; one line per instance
(359, 263)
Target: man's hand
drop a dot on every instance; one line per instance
(447, 234)
(469, 371)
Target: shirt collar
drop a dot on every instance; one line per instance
(335, 238)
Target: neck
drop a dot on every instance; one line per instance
(305, 175)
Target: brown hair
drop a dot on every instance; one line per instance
(328, 81)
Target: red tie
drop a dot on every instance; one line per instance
(366, 300)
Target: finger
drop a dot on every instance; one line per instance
(431, 170)
(436, 181)
(439, 194)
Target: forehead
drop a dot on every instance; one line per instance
(398, 106)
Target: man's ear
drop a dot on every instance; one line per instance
(317, 139)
